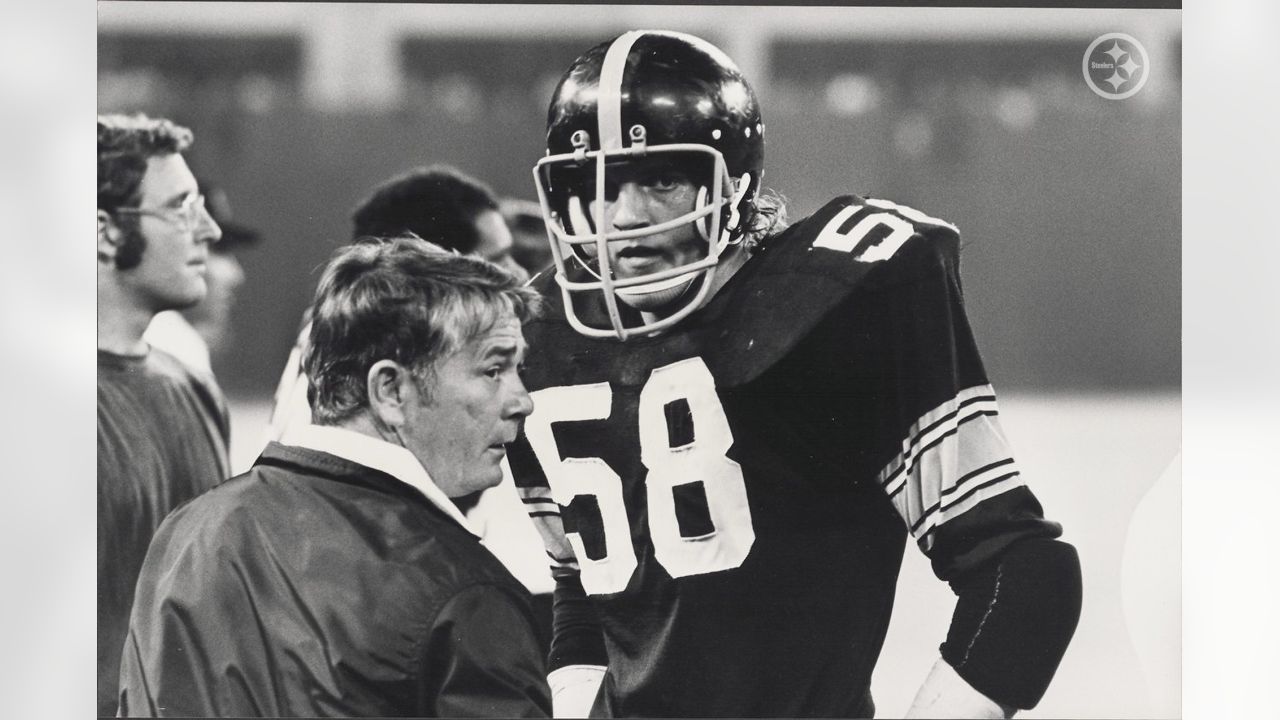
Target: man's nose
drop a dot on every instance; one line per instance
(207, 229)
(521, 403)
(629, 209)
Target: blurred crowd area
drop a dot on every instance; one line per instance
(1068, 202)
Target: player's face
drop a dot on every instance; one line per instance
(643, 194)
(177, 231)
(474, 407)
(496, 242)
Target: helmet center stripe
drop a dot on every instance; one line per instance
(609, 103)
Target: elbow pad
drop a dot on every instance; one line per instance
(1014, 619)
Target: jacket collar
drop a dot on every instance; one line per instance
(371, 452)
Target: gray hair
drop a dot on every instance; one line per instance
(400, 299)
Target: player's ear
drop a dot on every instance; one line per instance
(109, 235)
(387, 385)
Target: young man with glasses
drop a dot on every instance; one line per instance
(200, 334)
(162, 427)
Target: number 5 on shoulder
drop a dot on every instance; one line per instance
(838, 235)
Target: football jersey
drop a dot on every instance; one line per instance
(732, 496)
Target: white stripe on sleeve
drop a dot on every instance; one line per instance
(953, 458)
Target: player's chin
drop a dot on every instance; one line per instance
(659, 301)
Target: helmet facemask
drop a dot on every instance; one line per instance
(581, 238)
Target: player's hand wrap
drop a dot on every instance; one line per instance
(573, 690)
(1014, 619)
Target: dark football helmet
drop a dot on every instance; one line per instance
(643, 94)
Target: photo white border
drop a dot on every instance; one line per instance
(1230, 352)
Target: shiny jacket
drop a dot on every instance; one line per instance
(316, 586)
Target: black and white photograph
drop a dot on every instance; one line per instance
(587, 360)
(638, 360)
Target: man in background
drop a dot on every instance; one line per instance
(336, 578)
(442, 205)
(198, 333)
(437, 203)
(528, 234)
(162, 429)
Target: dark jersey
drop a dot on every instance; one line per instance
(162, 439)
(726, 504)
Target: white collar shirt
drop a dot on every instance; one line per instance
(371, 452)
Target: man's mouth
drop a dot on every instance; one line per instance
(634, 257)
(638, 251)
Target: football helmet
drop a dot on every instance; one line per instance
(646, 94)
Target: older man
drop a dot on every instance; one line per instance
(336, 577)
(438, 203)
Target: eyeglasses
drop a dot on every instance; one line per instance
(187, 214)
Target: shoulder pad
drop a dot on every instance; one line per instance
(851, 245)
(851, 237)
(794, 281)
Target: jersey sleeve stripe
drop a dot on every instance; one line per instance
(975, 473)
(545, 515)
(566, 561)
(895, 484)
(970, 489)
(953, 457)
(534, 493)
(926, 533)
(938, 423)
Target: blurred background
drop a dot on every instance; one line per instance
(1069, 205)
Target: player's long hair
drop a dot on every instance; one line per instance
(766, 217)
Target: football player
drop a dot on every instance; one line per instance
(738, 422)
